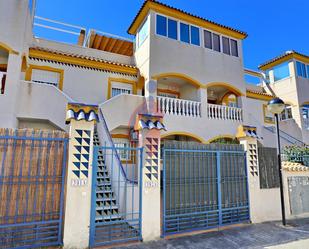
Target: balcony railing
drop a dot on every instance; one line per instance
(188, 108)
(179, 107)
(224, 112)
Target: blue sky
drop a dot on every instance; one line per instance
(273, 26)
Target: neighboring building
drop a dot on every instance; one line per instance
(288, 77)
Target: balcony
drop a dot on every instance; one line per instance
(189, 108)
(179, 107)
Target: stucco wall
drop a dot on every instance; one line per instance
(85, 85)
(201, 64)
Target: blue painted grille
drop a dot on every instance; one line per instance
(203, 189)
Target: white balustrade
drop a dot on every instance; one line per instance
(179, 107)
(188, 108)
(224, 112)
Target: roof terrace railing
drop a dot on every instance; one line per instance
(70, 29)
(60, 27)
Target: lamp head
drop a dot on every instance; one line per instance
(276, 106)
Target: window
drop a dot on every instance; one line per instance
(117, 91)
(281, 71)
(207, 39)
(305, 113)
(301, 69)
(216, 42)
(167, 27)
(122, 145)
(161, 25)
(184, 33)
(195, 36)
(287, 113)
(118, 86)
(187, 33)
(226, 45)
(2, 82)
(234, 47)
(45, 77)
(268, 116)
(172, 29)
(143, 33)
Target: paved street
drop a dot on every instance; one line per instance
(266, 235)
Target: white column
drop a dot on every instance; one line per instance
(151, 198)
(203, 100)
(250, 146)
(78, 189)
(151, 95)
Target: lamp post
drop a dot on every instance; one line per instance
(276, 106)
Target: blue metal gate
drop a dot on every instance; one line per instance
(116, 195)
(204, 188)
(32, 174)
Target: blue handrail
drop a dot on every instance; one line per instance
(101, 118)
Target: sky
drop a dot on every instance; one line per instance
(273, 26)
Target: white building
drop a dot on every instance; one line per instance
(181, 70)
(193, 67)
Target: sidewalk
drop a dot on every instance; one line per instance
(267, 235)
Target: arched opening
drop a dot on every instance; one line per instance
(178, 94)
(182, 136)
(177, 86)
(224, 140)
(223, 94)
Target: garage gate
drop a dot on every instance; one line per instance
(204, 186)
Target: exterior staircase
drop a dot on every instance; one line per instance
(110, 225)
(106, 206)
(287, 137)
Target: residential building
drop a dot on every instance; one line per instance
(178, 87)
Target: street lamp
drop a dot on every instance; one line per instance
(276, 106)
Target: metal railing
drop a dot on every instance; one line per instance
(75, 30)
(224, 112)
(53, 25)
(179, 107)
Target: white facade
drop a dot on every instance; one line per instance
(200, 77)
